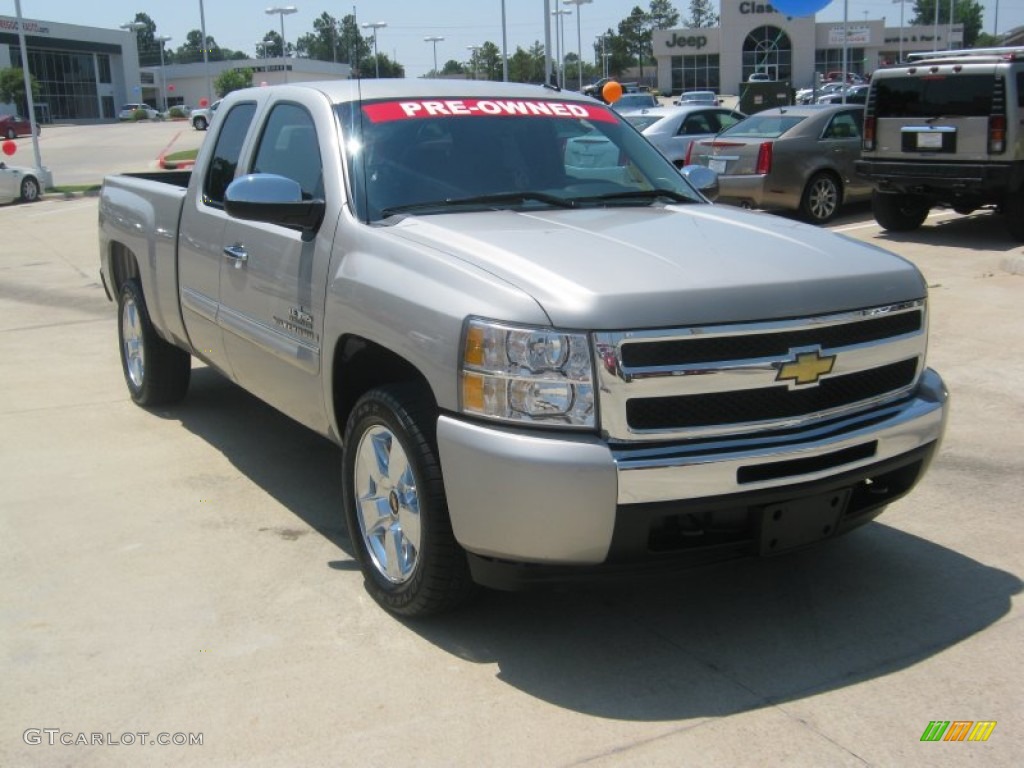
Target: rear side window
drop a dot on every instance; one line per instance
(763, 126)
(226, 152)
(935, 96)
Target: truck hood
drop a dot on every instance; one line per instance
(642, 267)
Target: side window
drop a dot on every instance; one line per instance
(727, 120)
(843, 126)
(289, 147)
(226, 153)
(696, 123)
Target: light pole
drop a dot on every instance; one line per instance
(902, 4)
(375, 25)
(473, 50)
(282, 11)
(579, 35)
(163, 77)
(559, 15)
(949, 37)
(435, 40)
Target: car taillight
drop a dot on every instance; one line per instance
(689, 153)
(997, 134)
(869, 133)
(764, 158)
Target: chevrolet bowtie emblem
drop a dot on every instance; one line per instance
(807, 368)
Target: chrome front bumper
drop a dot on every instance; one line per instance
(536, 497)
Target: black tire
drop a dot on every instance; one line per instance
(899, 212)
(199, 123)
(29, 189)
(411, 563)
(156, 372)
(822, 198)
(1013, 206)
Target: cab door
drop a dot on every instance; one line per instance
(200, 241)
(274, 279)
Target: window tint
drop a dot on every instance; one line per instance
(934, 96)
(226, 153)
(289, 147)
(843, 126)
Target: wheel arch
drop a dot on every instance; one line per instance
(360, 365)
(123, 266)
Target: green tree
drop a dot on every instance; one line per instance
(12, 88)
(352, 46)
(966, 12)
(663, 15)
(702, 14)
(489, 62)
(191, 50)
(453, 67)
(232, 80)
(322, 44)
(635, 33)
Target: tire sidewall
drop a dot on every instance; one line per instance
(31, 184)
(814, 182)
(130, 291)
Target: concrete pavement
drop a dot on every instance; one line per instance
(184, 571)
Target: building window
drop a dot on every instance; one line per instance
(103, 62)
(67, 82)
(831, 60)
(768, 49)
(695, 73)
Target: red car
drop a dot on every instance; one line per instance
(12, 125)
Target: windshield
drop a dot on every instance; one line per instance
(427, 157)
(761, 127)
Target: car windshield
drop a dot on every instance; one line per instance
(433, 156)
(762, 127)
(643, 121)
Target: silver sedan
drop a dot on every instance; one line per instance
(17, 183)
(798, 158)
(672, 129)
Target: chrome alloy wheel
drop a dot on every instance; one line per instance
(131, 335)
(387, 504)
(822, 199)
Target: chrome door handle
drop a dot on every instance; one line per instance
(236, 253)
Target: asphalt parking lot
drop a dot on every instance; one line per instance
(184, 572)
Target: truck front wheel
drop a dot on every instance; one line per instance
(395, 505)
(899, 212)
(157, 373)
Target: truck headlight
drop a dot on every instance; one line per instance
(527, 375)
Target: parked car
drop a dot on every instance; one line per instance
(811, 95)
(852, 78)
(697, 97)
(12, 126)
(18, 183)
(178, 110)
(855, 94)
(759, 77)
(131, 111)
(799, 158)
(201, 118)
(634, 101)
(672, 129)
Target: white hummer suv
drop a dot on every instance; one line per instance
(946, 129)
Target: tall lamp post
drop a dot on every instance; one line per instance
(902, 4)
(560, 41)
(375, 25)
(435, 40)
(579, 35)
(163, 76)
(282, 11)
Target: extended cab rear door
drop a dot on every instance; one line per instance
(201, 239)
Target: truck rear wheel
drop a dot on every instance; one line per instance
(899, 212)
(156, 372)
(395, 505)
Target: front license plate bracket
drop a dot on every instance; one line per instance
(798, 523)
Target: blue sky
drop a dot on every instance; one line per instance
(240, 24)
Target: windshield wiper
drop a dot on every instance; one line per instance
(503, 198)
(638, 194)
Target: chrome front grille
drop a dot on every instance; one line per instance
(734, 379)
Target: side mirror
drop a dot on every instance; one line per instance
(272, 199)
(703, 178)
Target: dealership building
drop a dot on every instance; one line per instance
(88, 73)
(755, 37)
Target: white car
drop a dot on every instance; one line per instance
(18, 183)
(128, 112)
(201, 118)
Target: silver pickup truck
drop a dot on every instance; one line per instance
(543, 352)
